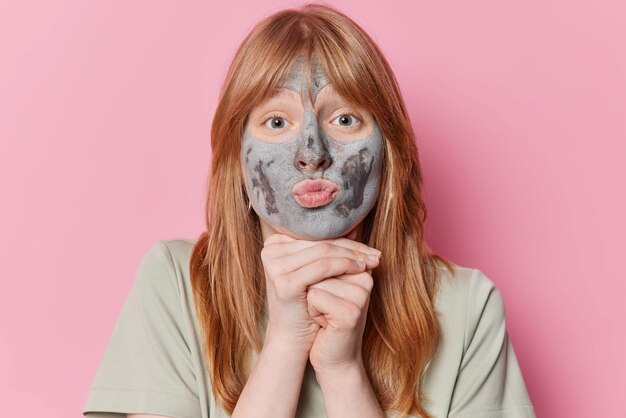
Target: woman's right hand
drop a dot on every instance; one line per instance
(291, 266)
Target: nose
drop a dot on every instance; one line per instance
(314, 156)
(313, 164)
(317, 165)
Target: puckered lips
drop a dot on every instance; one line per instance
(314, 193)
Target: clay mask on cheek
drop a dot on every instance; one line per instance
(312, 185)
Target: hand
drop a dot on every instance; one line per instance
(339, 305)
(291, 266)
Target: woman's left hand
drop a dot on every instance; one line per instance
(339, 305)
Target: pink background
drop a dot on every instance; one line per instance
(105, 111)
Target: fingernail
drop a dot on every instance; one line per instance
(375, 251)
(360, 263)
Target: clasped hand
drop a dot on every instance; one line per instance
(318, 296)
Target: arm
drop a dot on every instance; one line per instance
(348, 393)
(336, 354)
(489, 381)
(291, 267)
(276, 389)
(273, 387)
(147, 367)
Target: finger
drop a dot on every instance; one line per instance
(344, 289)
(297, 281)
(316, 315)
(321, 250)
(338, 312)
(365, 280)
(356, 244)
(283, 246)
(280, 248)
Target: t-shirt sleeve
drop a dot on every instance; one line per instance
(489, 382)
(147, 365)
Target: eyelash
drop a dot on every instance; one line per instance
(350, 114)
(274, 115)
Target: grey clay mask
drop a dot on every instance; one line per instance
(271, 171)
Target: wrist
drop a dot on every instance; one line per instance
(342, 372)
(286, 348)
(347, 392)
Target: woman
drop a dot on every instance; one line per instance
(312, 293)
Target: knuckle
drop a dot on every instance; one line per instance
(363, 296)
(325, 248)
(324, 265)
(357, 255)
(266, 253)
(280, 270)
(282, 286)
(353, 314)
(368, 283)
(350, 263)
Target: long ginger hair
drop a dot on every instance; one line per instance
(401, 333)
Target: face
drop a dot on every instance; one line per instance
(312, 165)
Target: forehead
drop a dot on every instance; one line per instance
(291, 93)
(296, 78)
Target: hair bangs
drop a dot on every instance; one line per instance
(276, 54)
(347, 65)
(292, 37)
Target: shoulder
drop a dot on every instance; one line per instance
(168, 252)
(466, 284)
(164, 266)
(179, 248)
(468, 298)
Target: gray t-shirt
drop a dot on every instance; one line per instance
(153, 363)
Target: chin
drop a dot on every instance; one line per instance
(284, 231)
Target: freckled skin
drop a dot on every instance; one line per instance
(271, 170)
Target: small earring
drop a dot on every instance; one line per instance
(249, 205)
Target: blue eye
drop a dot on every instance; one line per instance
(345, 119)
(276, 122)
